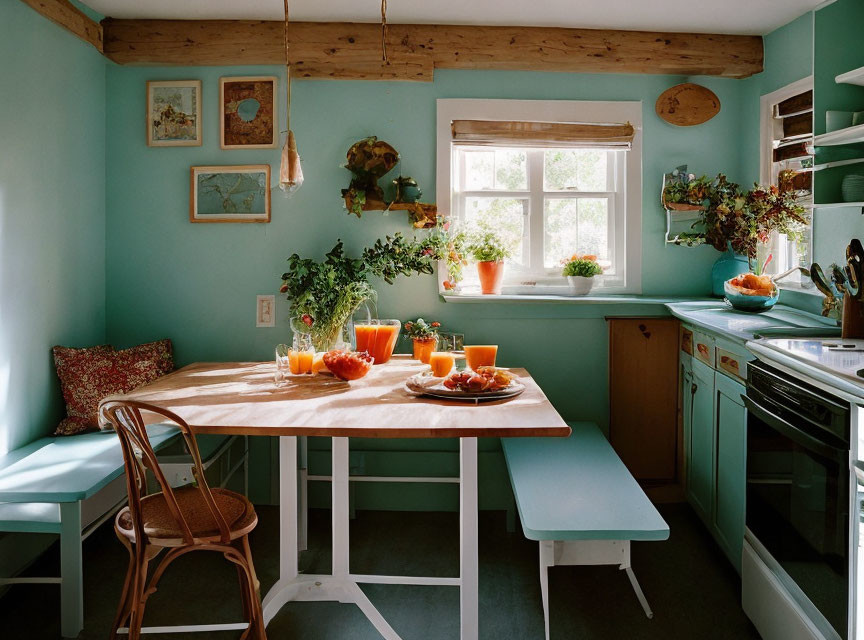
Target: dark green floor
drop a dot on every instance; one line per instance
(691, 587)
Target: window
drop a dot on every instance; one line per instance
(547, 198)
(786, 144)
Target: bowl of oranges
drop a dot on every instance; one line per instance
(749, 292)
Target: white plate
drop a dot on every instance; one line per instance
(431, 386)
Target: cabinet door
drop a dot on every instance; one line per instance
(643, 390)
(730, 464)
(700, 459)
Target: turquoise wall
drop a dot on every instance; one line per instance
(197, 283)
(52, 213)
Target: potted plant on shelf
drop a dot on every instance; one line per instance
(489, 251)
(580, 272)
(323, 295)
(424, 337)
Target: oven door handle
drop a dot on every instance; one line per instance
(796, 435)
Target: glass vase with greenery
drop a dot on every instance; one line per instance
(324, 294)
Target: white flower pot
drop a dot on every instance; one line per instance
(579, 286)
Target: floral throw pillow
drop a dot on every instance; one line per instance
(87, 376)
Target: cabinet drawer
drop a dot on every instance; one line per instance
(703, 347)
(686, 340)
(731, 363)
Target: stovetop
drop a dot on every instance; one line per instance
(841, 357)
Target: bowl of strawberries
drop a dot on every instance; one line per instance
(348, 365)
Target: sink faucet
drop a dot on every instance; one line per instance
(802, 270)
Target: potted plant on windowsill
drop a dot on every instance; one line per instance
(580, 272)
(489, 252)
(424, 337)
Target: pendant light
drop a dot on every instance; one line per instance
(290, 171)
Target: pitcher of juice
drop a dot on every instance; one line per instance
(378, 337)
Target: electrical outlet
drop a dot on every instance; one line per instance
(265, 311)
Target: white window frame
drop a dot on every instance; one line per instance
(626, 209)
(767, 122)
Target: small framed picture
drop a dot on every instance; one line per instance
(235, 193)
(247, 113)
(174, 113)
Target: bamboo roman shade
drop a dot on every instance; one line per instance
(506, 133)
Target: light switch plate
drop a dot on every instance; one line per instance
(265, 311)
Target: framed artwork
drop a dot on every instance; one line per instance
(174, 113)
(236, 193)
(247, 113)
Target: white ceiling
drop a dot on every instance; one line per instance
(756, 17)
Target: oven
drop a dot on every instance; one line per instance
(798, 484)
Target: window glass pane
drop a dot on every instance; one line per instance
(501, 169)
(503, 216)
(511, 169)
(575, 170)
(479, 170)
(575, 225)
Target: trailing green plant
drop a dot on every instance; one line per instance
(447, 243)
(487, 246)
(324, 294)
(582, 267)
(419, 329)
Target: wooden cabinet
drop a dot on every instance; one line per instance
(730, 461)
(700, 441)
(643, 390)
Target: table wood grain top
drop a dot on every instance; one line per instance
(242, 398)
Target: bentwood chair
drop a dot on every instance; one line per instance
(193, 518)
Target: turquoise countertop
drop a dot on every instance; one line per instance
(717, 317)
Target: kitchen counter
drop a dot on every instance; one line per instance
(742, 326)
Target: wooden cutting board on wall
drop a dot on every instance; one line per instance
(643, 395)
(688, 104)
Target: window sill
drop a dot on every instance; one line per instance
(599, 298)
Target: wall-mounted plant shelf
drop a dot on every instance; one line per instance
(856, 76)
(423, 215)
(849, 135)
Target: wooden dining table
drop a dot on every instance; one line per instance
(244, 398)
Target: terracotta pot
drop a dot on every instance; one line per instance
(491, 276)
(423, 348)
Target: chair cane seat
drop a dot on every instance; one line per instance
(162, 529)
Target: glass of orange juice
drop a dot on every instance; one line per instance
(442, 363)
(480, 355)
(378, 337)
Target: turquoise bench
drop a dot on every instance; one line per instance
(579, 501)
(66, 486)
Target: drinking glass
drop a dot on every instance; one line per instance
(451, 341)
(283, 366)
(378, 337)
(481, 355)
(442, 363)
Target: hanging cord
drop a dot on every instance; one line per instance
(383, 31)
(287, 74)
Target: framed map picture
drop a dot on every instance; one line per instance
(247, 118)
(174, 113)
(230, 193)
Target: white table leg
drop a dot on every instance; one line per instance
(303, 516)
(285, 587)
(547, 559)
(468, 547)
(340, 508)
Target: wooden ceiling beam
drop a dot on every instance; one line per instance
(353, 50)
(71, 18)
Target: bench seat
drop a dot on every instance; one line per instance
(577, 488)
(66, 485)
(578, 500)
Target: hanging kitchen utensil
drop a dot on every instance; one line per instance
(853, 307)
(687, 104)
(290, 171)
